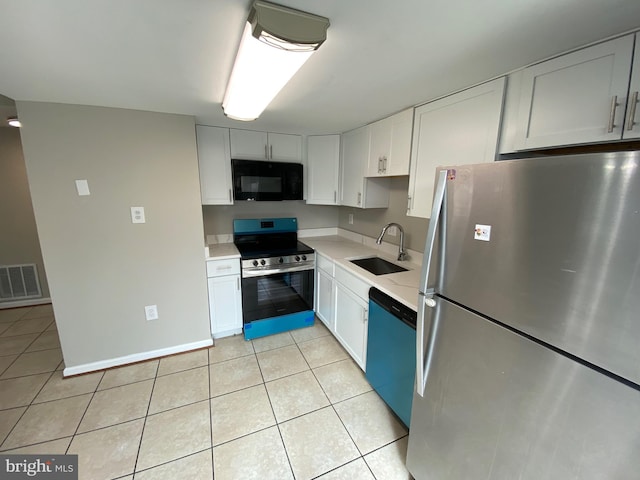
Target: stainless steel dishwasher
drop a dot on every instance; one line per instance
(391, 352)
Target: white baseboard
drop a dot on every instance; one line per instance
(25, 303)
(136, 357)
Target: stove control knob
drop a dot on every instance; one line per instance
(255, 263)
(304, 257)
(281, 260)
(262, 262)
(297, 258)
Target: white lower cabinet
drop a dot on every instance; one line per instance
(324, 299)
(342, 304)
(351, 314)
(225, 297)
(351, 318)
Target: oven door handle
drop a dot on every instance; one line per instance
(263, 272)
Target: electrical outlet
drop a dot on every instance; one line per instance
(351, 219)
(151, 312)
(393, 231)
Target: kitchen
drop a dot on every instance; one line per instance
(132, 153)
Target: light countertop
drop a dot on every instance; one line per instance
(402, 286)
(221, 251)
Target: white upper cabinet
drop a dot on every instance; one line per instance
(455, 130)
(632, 121)
(390, 145)
(214, 160)
(253, 145)
(356, 189)
(580, 97)
(323, 171)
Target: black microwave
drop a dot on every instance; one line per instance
(266, 181)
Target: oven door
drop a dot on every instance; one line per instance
(276, 294)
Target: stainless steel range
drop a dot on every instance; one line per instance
(277, 276)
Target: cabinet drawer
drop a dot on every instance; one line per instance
(218, 268)
(353, 283)
(325, 264)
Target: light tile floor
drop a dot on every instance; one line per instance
(289, 406)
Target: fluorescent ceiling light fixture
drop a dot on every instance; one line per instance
(275, 43)
(14, 122)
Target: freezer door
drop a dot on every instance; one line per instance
(551, 246)
(500, 406)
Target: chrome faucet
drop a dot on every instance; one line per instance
(402, 254)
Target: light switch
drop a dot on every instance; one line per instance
(83, 187)
(137, 215)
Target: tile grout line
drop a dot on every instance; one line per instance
(144, 422)
(83, 414)
(275, 418)
(30, 403)
(213, 473)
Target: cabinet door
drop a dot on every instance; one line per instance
(284, 147)
(249, 145)
(214, 160)
(632, 122)
(390, 145)
(456, 130)
(576, 98)
(355, 153)
(351, 316)
(225, 305)
(324, 299)
(323, 159)
(400, 148)
(379, 147)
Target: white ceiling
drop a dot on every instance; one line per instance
(379, 57)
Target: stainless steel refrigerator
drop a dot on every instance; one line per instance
(529, 322)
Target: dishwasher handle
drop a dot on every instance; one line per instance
(399, 310)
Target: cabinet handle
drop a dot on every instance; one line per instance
(384, 164)
(335, 196)
(408, 203)
(270, 152)
(379, 164)
(230, 199)
(266, 152)
(359, 197)
(365, 316)
(612, 114)
(632, 110)
(238, 282)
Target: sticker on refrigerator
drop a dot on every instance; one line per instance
(482, 232)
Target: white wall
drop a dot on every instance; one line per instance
(102, 269)
(19, 239)
(369, 222)
(218, 219)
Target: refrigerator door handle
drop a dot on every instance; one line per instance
(436, 211)
(424, 356)
(426, 300)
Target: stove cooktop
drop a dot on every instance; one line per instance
(268, 249)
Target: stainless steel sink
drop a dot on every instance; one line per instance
(377, 265)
